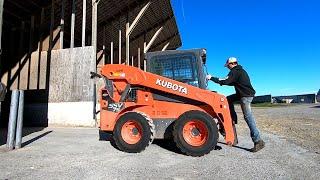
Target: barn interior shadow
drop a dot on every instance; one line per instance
(25, 58)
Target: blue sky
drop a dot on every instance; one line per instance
(276, 41)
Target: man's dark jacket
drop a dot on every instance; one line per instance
(238, 78)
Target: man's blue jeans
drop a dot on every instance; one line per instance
(245, 103)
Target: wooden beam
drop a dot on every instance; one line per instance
(165, 46)
(147, 47)
(20, 53)
(129, 29)
(62, 23)
(168, 39)
(127, 44)
(137, 19)
(84, 9)
(73, 19)
(51, 26)
(111, 52)
(155, 26)
(1, 22)
(119, 49)
(94, 44)
(104, 45)
(124, 10)
(139, 58)
(40, 47)
(30, 49)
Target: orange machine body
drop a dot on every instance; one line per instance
(144, 85)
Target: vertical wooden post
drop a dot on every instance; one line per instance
(62, 23)
(30, 49)
(139, 58)
(104, 45)
(84, 9)
(132, 61)
(144, 47)
(1, 15)
(21, 42)
(73, 16)
(119, 49)
(40, 47)
(111, 52)
(51, 26)
(127, 44)
(94, 25)
(94, 44)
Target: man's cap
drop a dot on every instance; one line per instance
(231, 60)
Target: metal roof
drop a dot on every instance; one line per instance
(112, 15)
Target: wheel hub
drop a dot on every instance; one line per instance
(131, 132)
(135, 131)
(195, 132)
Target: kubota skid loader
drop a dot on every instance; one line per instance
(170, 100)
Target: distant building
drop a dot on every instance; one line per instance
(303, 98)
(262, 99)
(318, 96)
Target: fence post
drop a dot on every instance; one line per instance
(12, 119)
(20, 120)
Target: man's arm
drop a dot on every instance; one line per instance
(229, 80)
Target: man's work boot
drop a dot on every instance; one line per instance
(258, 146)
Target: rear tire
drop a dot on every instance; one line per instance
(195, 133)
(133, 132)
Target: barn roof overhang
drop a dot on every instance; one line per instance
(112, 17)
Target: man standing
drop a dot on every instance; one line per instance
(239, 78)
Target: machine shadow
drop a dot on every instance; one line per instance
(105, 136)
(163, 143)
(243, 148)
(167, 144)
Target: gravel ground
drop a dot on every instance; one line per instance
(76, 153)
(297, 123)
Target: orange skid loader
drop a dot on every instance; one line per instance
(138, 107)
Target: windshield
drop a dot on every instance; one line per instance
(180, 67)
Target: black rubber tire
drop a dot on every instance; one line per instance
(188, 149)
(147, 136)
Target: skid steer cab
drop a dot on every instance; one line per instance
(168, 101)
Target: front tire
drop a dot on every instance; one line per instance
(133, 132)
(195, 133)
